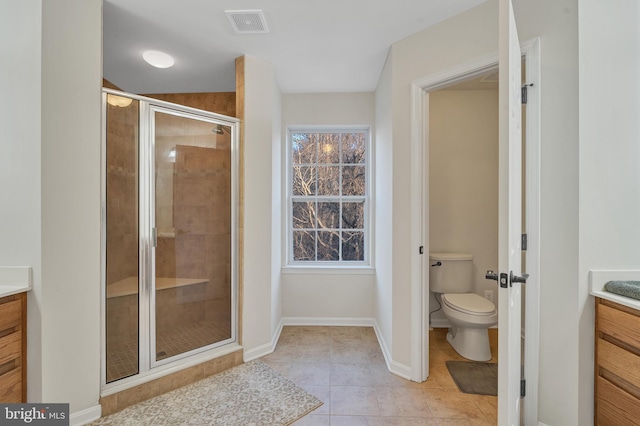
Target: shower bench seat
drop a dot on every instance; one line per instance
(129, 285)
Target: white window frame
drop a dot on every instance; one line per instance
(292, 264)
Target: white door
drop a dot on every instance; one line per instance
(509, 252)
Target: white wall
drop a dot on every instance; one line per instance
(69, 297)
(327, 297)
(328, 109)
(319, 294)
(556, 23)
(463, 179)
(276, 209)
(384, 203)
(20, 191)
(260, 282)
(457, 40)
(461, 39)
(609, 157)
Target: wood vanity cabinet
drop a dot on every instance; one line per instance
(617, 364)
(13, 345)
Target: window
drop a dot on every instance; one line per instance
(328, 196)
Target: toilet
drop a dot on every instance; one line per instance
(470, 315)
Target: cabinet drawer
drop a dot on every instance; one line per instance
(10, 314)
(619, 324)
(615, 406)
(10, 347)
(11, 386)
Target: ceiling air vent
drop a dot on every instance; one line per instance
(247, 21)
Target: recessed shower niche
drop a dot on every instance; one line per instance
(169, 234)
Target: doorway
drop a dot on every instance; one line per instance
(170, 179)
(420, 211)
(463, 198)
(463, 179)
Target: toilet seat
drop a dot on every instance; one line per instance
(469, 303)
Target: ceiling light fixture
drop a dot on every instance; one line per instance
(158, 59)
(118, 101)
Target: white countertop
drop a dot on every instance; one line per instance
(14, 280)
(600, 277)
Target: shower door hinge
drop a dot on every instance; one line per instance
(523, 388)
(524, 242)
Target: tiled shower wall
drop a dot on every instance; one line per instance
(201, 246)
(122, 219)
(122, 187)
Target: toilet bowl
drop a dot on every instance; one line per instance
(470, 315)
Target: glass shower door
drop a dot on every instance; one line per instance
(192, 291)
(121, 176)
(169, 199)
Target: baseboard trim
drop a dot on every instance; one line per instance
(542, 424)
(85, 416)
(258, 352)
(334, 322)
(396, 368)
(266, 349)
(440, 323)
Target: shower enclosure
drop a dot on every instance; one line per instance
(169, 234)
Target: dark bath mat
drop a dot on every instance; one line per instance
(480, 378)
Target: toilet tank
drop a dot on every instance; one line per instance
(450, 272)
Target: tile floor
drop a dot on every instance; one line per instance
(122, 357)
(344, 367)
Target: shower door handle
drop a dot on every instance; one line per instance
(154, 237)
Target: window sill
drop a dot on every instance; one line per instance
(328, 270)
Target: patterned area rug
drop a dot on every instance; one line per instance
(249, 394)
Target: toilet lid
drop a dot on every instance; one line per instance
(469, 303)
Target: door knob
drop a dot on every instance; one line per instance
(501, 278)
(518, 279)
(490, 275)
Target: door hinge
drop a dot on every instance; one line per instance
(524, 92)
(524, 241)
(421, 250)
(523, 388)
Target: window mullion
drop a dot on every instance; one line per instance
(340, 201)
(315, 201)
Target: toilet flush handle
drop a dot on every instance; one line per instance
(438, 263)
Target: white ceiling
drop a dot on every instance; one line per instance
(314, 46)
